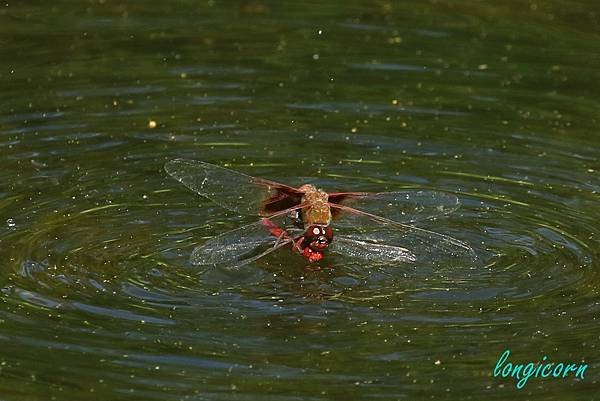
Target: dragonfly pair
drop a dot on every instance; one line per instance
(375, 227)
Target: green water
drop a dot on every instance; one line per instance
(496, 102)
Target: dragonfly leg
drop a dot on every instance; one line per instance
(282, 234)
(276, 231)
(297, 244)
(273, 229)
(279, 238)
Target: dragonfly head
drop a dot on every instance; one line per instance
(318, 237)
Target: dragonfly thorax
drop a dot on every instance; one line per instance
(317, 211)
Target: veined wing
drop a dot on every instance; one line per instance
(380, 239)
(243, 245)
(403, 206)
(232, 190)
(368, 249)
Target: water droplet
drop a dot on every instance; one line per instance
(11, 223)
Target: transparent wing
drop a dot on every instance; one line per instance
(403, 206)
(243, 245)
(371, 251)
(376, 238)
(232, 190)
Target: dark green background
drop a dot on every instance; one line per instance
(494, 101)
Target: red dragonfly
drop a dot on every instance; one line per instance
(375, 227)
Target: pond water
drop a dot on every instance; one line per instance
(496, 103)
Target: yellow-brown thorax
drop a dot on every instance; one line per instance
(317, 211)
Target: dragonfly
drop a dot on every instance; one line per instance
(373, 227)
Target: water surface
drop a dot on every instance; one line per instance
(494, 103)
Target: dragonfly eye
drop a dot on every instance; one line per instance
(329, 233)
(318, 237)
